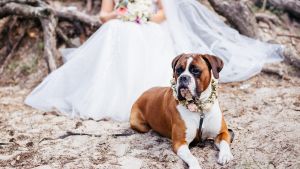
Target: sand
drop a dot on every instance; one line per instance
(263, 112)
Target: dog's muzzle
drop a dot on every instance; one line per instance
(184, 80)
(184, 88)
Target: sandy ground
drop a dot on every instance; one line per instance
(263, 112)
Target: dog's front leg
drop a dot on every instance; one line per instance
(222, 142)
(181, 148)
(185, 154)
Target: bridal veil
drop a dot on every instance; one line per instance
(194, 28)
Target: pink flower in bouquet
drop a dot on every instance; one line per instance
(122, 10)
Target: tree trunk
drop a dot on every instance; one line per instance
(238, 14)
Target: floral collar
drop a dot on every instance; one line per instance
(196, 105)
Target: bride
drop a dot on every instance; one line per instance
(133, 50)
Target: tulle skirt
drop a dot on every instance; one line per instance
(103, 77)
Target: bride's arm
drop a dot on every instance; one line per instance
(160, 15)
(107, 11)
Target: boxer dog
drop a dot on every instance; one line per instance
(188, 111)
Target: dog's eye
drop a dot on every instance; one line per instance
(195, 71)
(179, 70)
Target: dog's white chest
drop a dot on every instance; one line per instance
(211, 124)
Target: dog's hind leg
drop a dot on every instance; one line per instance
(137, 120)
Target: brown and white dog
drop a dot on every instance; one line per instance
(158, 109)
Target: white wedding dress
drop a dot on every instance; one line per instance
(104, 76)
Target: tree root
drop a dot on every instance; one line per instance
(14, 48)
(61, 34)
(271, 71)
(238, 14)
(267, 18)
(291, 57)
(48, 17)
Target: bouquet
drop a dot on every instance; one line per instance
(138, 11)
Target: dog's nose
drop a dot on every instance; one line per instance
(184, 79)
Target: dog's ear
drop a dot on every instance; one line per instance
(175, 60)
(214, 63)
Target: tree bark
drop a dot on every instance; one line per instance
(23, 10)
(292, 6)
(292, 57)
(238, 14)
(29, 2)
(37, 12)
(49, 28)
(72, 15)
(50, 51)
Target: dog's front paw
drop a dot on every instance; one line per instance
(194, 164)
(224, 157)
(195, 167)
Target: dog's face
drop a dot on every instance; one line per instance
(192, 73)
